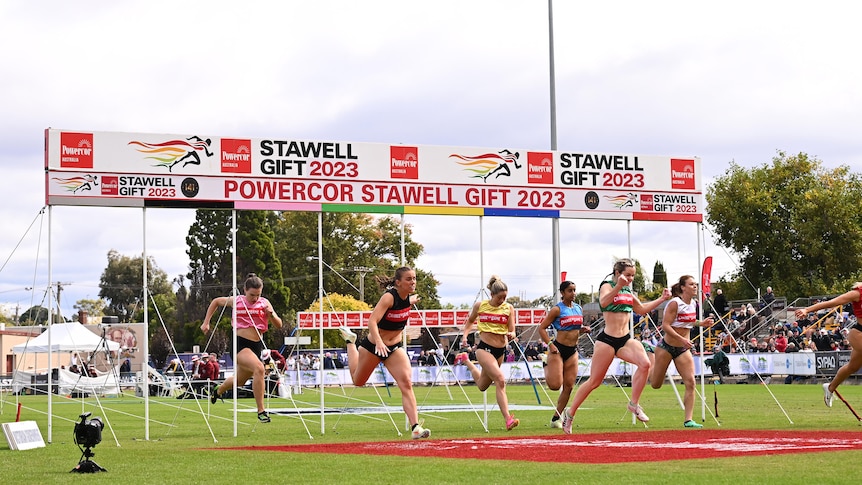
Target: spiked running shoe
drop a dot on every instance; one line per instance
(557, 423)
(827, 395)
(214, 394)
(567, 422)
(263, 417)
(638, 412)
(419, 432)
(347, 335)
(512, 422)
(691, 424)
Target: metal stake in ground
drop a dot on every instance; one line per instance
(848, 405)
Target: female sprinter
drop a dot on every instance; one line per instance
(253, 315)
(383, 343)
(854, 297)
(567, 318)
(680, 315)
(496, 326)
(617, 302)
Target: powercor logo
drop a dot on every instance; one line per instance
(110, 185)
(646, 202)
(235, 155)
(76, 150)
(540, 168)
(404, 162)
(682, 174)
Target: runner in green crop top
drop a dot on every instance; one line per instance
(617, 303)
(622, 301)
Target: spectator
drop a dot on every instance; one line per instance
(174, 367)
(719, 303)
(752, 345)
(795, 338)
(820, 339)
(280, 360)
(328, 363)
(125, 368)
(215, 367)
(780, 342)
(193, 366)
(766, 301)
(203, 370)
(719, 364)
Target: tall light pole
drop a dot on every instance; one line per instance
(362, 270)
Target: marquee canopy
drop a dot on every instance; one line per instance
(65, 337)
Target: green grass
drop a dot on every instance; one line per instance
(180, 448)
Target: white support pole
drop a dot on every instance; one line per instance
(552, 90)
(320, 330)
(700, 317)
(234, 295)
(50, 305)
(145, 367)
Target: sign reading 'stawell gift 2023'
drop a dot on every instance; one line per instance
(199, 171)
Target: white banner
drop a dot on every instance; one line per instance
(140, 169)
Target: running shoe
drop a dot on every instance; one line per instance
(691, 424)
(512, 422)
(419, 432)
(263, 417)
(214, 394)
(347, 335)
(827, 395)
(567, 422)
(557, 423)
(638, 412)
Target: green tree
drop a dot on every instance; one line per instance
(793, 224)
(121, 284)
(35, 315)
(639, 284)
(211, 263)
(334, 302)
(357, 249)
(659, 274)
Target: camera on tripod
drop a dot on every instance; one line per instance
(88, 433)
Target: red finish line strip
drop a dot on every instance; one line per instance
(599, 448)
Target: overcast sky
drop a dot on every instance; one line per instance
(729, 81)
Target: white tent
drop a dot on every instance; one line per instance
(66, 337)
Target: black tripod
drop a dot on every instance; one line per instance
(86, 465)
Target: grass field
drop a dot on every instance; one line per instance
(181, 449)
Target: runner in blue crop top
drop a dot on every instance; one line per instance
(567, 318)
